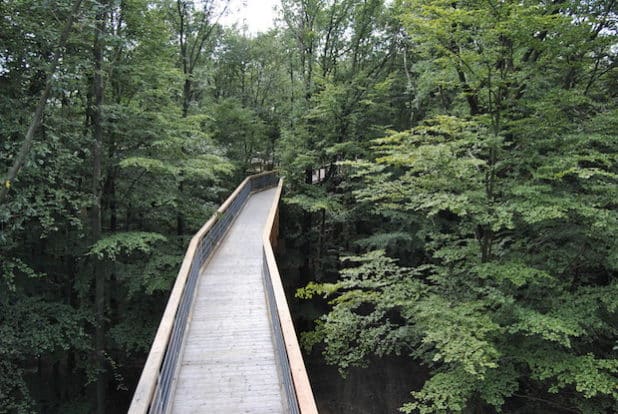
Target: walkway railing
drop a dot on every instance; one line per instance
(295, 380)
(154, 389)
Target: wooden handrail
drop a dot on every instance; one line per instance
(300, 379)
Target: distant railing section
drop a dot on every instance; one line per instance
(318, 175)
(296, 383)
(154, 389)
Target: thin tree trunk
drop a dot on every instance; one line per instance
(409, 87)
(186, 102)
(186, 96)
(99, 274)
(180, 218)
(38, 112)
(321, 237)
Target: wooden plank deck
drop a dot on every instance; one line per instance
(228, 364)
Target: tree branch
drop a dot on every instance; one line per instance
(38, 113)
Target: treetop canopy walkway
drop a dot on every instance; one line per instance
(226, 342)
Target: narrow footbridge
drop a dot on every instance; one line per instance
(226, 342)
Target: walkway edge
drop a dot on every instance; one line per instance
(302, 386)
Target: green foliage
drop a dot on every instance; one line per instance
(515, 273)
(499, 384)
(508, 184)
(241, 132)
(38, 326)
(154, 165)
(314, 200)
(117, 244)
(132, 335)
(444, 392)
(467, 219)
(12, 269)
(472, 300)
(588, 374)
(32, 328)
(14, 396)
(158, 274)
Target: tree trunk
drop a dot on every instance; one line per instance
(186, 102)
(97, 135)
(180, 219)
(186, 95)
(309, 176)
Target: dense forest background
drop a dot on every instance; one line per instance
(460, 256)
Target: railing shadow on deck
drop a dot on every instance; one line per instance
(155, 386)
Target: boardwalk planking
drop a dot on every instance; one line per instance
(228, 363)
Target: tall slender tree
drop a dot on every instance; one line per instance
(37, 117)
(96, 118)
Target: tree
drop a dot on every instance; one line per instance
(250, 88)
(38, 113)
(87, 233)
(196, 28)
(507, 298)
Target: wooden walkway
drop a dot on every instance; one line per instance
(228, 362)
